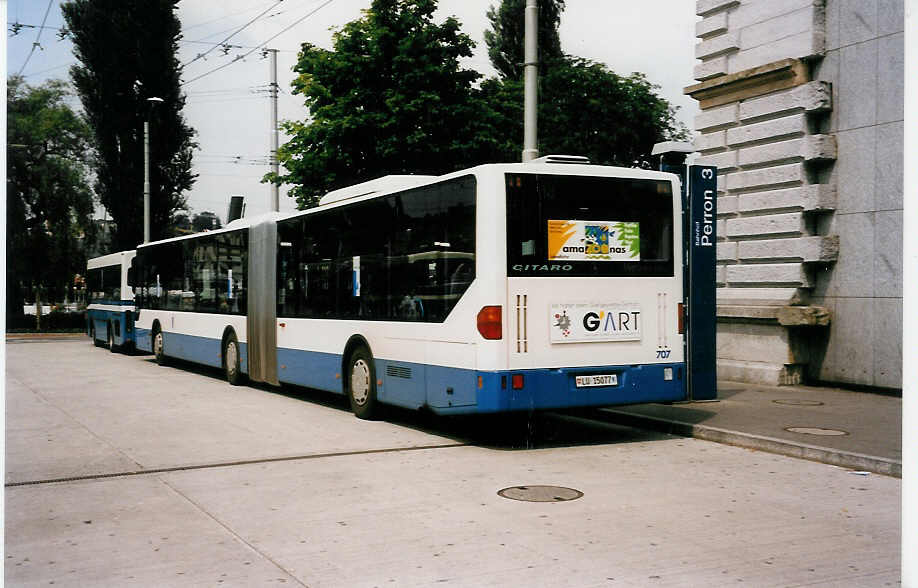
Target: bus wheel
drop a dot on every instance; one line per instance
(111, 339)
(158, 351)
(92, 333)
(361, 383)
(231, 360)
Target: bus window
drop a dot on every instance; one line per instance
(104, 283)
(588, 226)
(412, 254)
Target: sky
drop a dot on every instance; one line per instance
(230, 108)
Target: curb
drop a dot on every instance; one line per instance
(44, 336)
(844, 459)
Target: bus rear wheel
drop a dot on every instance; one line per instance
(110, 342)
(231, 360)
(360, 381)
(92, 334)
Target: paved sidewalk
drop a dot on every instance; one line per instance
(858, 430)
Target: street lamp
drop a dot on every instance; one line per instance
(146, 169)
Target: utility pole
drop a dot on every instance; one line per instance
(275, 198)
(146, 181)
(530, 83)
(146, 168)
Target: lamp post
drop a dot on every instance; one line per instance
(146, 168)
(531, 81)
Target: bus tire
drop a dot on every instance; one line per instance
(92, 333)
(158, 349)
(231, 360)
(360, 380)
(110, 338)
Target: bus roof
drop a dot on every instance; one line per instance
(390, 184)
(235, 225)
(394, 183)
(110, 259)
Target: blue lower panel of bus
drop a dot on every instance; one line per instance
(143, 342)
(203, 350)
(456, 391)
(556, 388)
(310, 369)
(122, 326)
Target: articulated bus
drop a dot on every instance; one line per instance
(110, 312)
(504, 287)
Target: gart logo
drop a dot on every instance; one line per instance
(612, 321)
(563, 322)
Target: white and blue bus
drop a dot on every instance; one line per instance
(110, 312)
(505, 287)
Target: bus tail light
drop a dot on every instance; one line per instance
(489, 322)
(517, 381)
(681, 319)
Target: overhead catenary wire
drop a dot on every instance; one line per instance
(236, 32)
(219, 18)
(35, 44)
(262, 44)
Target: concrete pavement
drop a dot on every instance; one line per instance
(859, 430)
(124, 473)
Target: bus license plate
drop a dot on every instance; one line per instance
(591, 381)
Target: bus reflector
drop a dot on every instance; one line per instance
(489, 322)
(681, 319)
(517, 381)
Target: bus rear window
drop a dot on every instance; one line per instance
(588, 226)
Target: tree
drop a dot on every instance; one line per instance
(205, 221)
(584, 108)
(613, 120)
(505, 39)
(48, 204)
(390, 98)
(127, 49)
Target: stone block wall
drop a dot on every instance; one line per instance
(864, 63)
(802, 114)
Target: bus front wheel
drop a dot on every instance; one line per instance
(158, 351)
(361, 383)
(231, 360)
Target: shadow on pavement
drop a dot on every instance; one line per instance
(505, 431)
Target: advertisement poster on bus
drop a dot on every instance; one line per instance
(587, 240)
(595, 321)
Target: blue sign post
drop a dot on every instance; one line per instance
(699, 262)
(701, 294)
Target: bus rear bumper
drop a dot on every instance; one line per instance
(543, 389)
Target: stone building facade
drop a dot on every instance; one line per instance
(802, 112)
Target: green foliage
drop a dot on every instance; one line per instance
(127, 49)
(584, 108)
(48, 202)
(391, 98)
(507, 34)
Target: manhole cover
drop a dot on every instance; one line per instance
(540, 493)
(817, 431)
(796, 402)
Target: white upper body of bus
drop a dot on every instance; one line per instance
(556, 308)
(117, 265)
